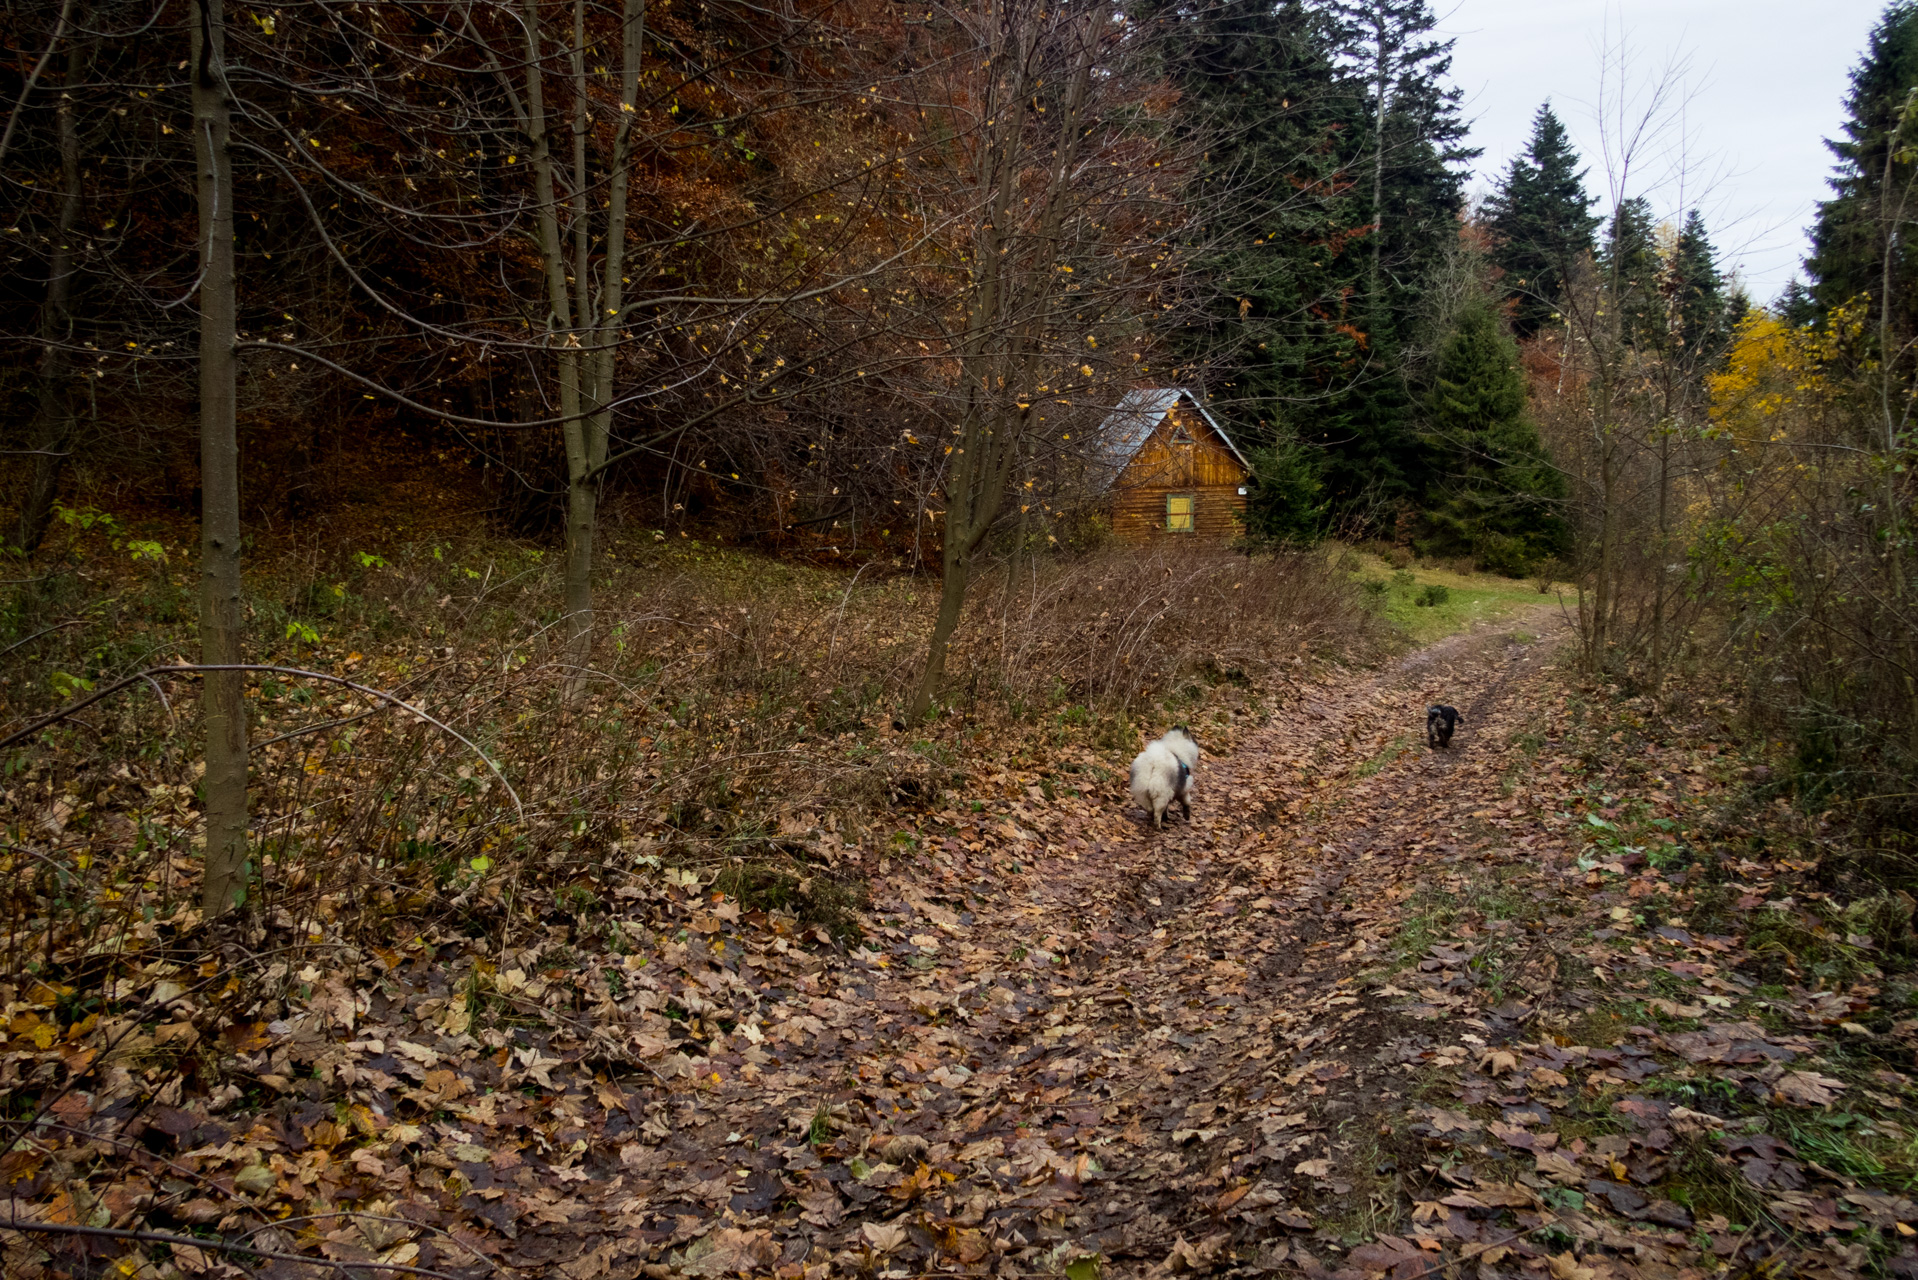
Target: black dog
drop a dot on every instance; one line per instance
(1439, 723)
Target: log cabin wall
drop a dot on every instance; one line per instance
(1138, 515)
(1182, 456)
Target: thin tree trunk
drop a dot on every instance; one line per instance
(1892, 217)
(55, 416)
(224, 797)
(1658, 568)
(33, 77)
(1381, 87)
(582, 516)
(952, 599)
(1017, 558)
(598, 314)
(564, 328)
(1012, 301)
(1607, 560)
(1020, 553)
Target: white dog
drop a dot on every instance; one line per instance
(1162, 773)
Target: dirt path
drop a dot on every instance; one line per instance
(1364, 1015)
(1134, 1046)
(1322, 1030)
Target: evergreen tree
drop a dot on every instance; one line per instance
(1281, 339)
(1873, 186)
(1698, 293)
(1410, 178)
(1366, 429)
(1286, 504)
(1631, 273)
(1494, 495)
(1333, 188)
(1543, 221)
(1414, 144)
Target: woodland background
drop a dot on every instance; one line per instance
(457, 324)
(475, 469)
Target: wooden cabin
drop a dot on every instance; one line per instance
(1170, 469)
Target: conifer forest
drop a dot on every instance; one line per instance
(583, 580)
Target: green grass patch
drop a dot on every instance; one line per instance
(1464, 600)
(1434, 913)
(1855, 1146)
(1399, 745)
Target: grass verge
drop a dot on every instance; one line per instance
(1429, 602)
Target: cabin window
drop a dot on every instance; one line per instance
(1180, 435)
(1180, 510)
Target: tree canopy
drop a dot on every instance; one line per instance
(1858, 243)
(1541, 217)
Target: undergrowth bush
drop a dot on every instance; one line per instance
(739, 720)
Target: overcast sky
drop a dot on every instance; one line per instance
(1764, 85)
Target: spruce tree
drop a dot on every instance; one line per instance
(1410, 179)
(1873, 186)
(1630, 270)
(1494, 495)
(1333, 188)
(1366, 431)
(1543, 222)
(1698, 293)
(1281, 338)
(1287, 501)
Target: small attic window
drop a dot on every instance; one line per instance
(1179, 434)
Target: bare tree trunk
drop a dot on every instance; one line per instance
(582, 520)
(1014, 294)
(1020, 553)
(582, 496)
(55, 415)
(1381, 87)
(1663, 551)
(1603, 595)
(586, 313)
(224, 797)
(1894, 408)
(952, 600)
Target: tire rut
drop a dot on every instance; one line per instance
(1197, 1029)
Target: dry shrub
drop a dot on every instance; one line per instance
(1117, 627)
(740, 717)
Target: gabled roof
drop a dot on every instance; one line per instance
(1131, 424)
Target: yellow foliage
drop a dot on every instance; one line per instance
(1774, 373)
(1770, 370)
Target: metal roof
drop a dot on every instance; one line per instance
(1131, 424)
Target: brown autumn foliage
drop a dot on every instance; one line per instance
(712, 969)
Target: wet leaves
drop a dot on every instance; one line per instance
(1808, 1089)
(1338, 1025)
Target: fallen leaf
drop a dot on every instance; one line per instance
(1498, 1062)
(1671, 1010)
(884, 1237)
(1558, 1168)
(1443, 1121)
(729, 1251)
(1808, 1089)
(1565, 1267)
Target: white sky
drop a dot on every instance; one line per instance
(1763, 86)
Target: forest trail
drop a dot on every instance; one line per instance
(1377, 1010)
(1152, 1047)
(1207, 1034)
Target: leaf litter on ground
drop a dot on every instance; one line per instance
(1356, 1019)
